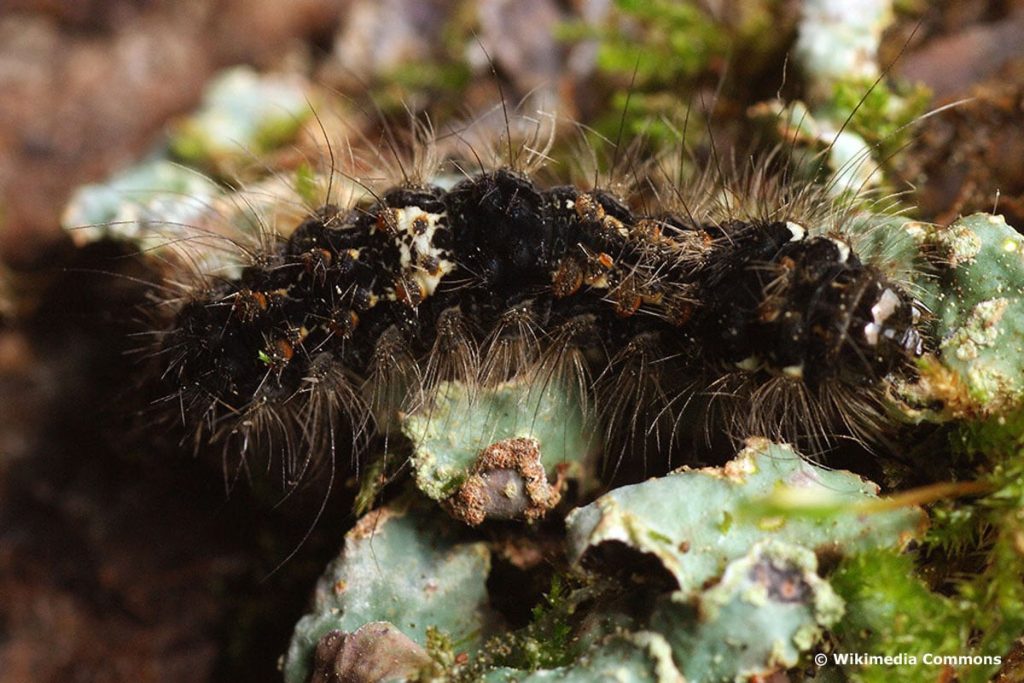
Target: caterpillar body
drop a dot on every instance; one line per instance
(754, 312)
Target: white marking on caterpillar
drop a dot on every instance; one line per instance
(749, 364)
(880, 312)
(798, 231)
(415, 241)
(844, 249)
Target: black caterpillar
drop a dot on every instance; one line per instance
(756, 324)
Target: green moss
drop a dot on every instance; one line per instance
(443, 78)
(678, 40)
(889, 611)
(551, 630)
(652, 53)
(990, 529)
(441, 649)
(638, 657)
(371, 483)
(881, 113)
(547, 642)
(306, 185)
(975, 552)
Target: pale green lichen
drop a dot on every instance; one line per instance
(709, 516)
(769, 607)
(142, 204)
(977, 298)
(849, 156)
(406, 567)
(980, 329)
(171, 212)
(960, 242)
(746, 601)
(451, 433)
(838, 41)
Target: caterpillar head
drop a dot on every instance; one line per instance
(804, 307)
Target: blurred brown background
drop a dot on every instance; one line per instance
(88, 85)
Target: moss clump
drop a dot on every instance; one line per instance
(890, 611)
(651, 52)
